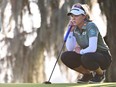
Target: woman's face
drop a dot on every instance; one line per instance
(77, 19)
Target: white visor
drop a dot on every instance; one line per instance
(76, 11)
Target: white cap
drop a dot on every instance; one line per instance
(76, 11)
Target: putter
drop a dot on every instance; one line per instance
(48, 82)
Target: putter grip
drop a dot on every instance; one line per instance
(66, 36)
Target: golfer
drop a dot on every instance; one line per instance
(87, 52)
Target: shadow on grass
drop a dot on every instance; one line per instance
(58, 85)
(81, 85)
(96, 85)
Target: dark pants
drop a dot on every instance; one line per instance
(91, 61)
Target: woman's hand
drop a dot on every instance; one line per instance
(72, 23)
(77, 49)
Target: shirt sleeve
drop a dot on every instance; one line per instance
(92, 30)
(71, 42)
(92, 46)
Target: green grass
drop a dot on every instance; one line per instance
(58, 85)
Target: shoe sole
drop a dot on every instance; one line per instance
(91, 82)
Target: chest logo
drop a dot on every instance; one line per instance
(84, 33)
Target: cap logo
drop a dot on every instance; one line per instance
(77, 6)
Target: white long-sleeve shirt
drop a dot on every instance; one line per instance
(71, 44)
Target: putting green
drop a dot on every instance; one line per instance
(58, 85)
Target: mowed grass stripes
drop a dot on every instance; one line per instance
(58, 85)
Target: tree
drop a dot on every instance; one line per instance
(24, 57)
(18, 55)
(24, 40)
(108, 8)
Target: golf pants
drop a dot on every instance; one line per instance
(91, 61)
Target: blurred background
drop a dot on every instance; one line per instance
(31, 36)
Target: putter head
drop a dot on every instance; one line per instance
(47, 82)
